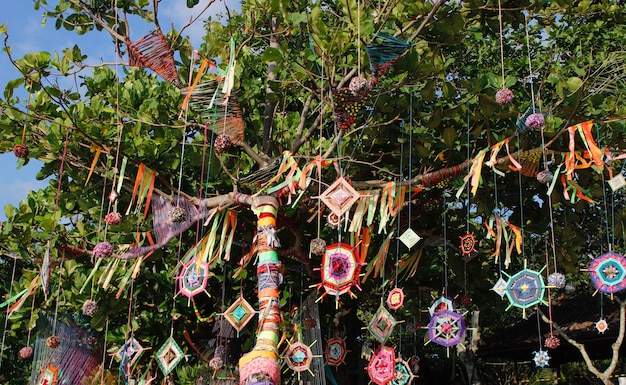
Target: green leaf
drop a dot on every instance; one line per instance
(271, 54)
(3, 28)
(573, 83)
(449, 136)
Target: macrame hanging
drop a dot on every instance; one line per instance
(153, 51)
(383, 51)
(382, 366)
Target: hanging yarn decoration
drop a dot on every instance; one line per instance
(541, 358)
(103, 250)
(318, 246)
(193, 278)
(382, 52)
(90, 307)
(53, 342)
(602, 326)
(169, 355)
(504, 97)
(217, 362)
(113, 218)
(608, 272)
(545, 176)
(395, 299)
(347, 106)
(177, 215)
(222, 143)
(446, 328)
(404, 375)
(381, 367)
(468, 244)
(525, 289)
(535, 121)
(336, 351)
(340, 270)
(239, 313)
(26, 352)
(298, 357)
(164, 229)
(152, 51)
(382, 324)
(20, 151)
(556, 280)
(359, 86)
(552, 342)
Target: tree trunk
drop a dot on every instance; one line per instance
(261, 364)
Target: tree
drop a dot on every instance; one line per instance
(409, 128)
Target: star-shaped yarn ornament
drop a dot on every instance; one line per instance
(382, 366)
(602, 326)
(541, 358)
(468, 244)
(336, 351)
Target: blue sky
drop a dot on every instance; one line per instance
(27, 34)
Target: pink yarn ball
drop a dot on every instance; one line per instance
(504, 97)
(113, 219)
(535, 121)
(552, 342)
(358, 85)
(545, 176)
(53, 342)
(20, 151)
(222, 143)
(26, 352)
(216, 363)
(103, 250)
(318, 246)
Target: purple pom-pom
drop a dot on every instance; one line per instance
(113, 219)
(103, 250)
(26, 352)
(90, 307)
(318, 246)
(557, 280)
(504, 97)
(535, 121)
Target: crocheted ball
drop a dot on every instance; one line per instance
(358, 85)
(535, 121)
(90, 307)
(504, 97)
(545, 176)
(222, 143)
(20, 151)
(216, 362)
(53, 342)
(552, 342)
(26, 352)
(318, 246)
(177, 215)
(103, 250)
(113, 219)
(557, 280)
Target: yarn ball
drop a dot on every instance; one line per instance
(20, 151)
(103, 250)
(26, 352)
(545, 176)
(113, 219)
(504, 97)
(177, 215)
(557, 280)
(222, 143)
(216, 362)
(358, 85)
(535, 121)
(53, 342)
(318, 246)
(552, 342)
(90, 307)
(113, 196)
(466, 300)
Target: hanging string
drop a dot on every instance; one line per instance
(184, 140)
(358, 34)
(398, 232)
(501, 41)
(530, 66)
(445, 244)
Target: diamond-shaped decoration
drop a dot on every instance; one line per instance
(409, 238)
(169, 355)
(239, 313)
(617, 182)
(499, 287)
(381, 326)
(340, 196)
(131, 351)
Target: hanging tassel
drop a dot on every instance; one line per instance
(518, 237)
(515, 164)
(584, 129)
(474, 173)
(98, 150)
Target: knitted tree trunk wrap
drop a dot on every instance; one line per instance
(260, 365)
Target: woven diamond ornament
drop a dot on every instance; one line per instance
(409, 238)
(48, 375)
(499, 287)
(169, 355)
(131, 351)
(442, 303)
(381, 326)
(395, 299)
(340, 196)
(617, 182)
(239, 313)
